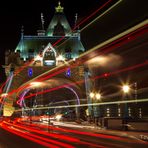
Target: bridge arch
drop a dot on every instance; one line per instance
(73, 90)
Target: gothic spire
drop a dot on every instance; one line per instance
(22, 32)
(59, 9)
(42, 21)
(76, 18)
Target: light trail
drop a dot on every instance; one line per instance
(81, 24)
(83, 21)
(91, 104)
(40, 78)
(68, 101)
(79, 132)
(28, 63)
(90, 134)
(96, 77)
(123, 70)
(1, 88)
(118, 2)
(27, 136)
(112, 43)
(15, 73)
(142, 25)
(20, 101)
(52, 135)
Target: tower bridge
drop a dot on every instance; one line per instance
(63, 78)
(39, 54)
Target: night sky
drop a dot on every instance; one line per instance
(27, 13)
(14, 14)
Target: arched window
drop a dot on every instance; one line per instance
(68, 52)
(49, 58)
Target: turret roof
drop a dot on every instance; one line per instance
(59, 17)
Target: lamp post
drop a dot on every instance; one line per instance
(92, 94)
(125, 89)
(96, 97)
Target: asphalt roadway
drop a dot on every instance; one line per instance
(67, 137)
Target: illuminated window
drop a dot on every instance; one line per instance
(108, 112)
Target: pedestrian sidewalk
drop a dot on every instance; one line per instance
(143, 136)
(131, 134)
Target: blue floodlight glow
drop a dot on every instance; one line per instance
(68, 72)
(30, 72)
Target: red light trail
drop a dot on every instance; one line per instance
(28, 136)
(83, 21)
(96, 77)
(112, 46)
(107, 48)
(36, 134)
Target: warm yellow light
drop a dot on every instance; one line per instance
(60, 58)
(4, 95)
(35, 83)
(98, 96)
(125, 88)
(58, 117)
(38, 58)
(91, 94)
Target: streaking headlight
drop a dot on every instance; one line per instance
(58, 117)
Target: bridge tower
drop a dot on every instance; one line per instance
(43, 51)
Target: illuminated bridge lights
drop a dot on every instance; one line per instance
(96, 77)
(111, 44)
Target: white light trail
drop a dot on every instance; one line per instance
(102, 103)
(101, 15)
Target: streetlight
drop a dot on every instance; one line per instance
(95, 109)
(126, 90)
(98, 96)
(92, 95)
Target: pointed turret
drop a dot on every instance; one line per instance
(59, 9)
(59, 25)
